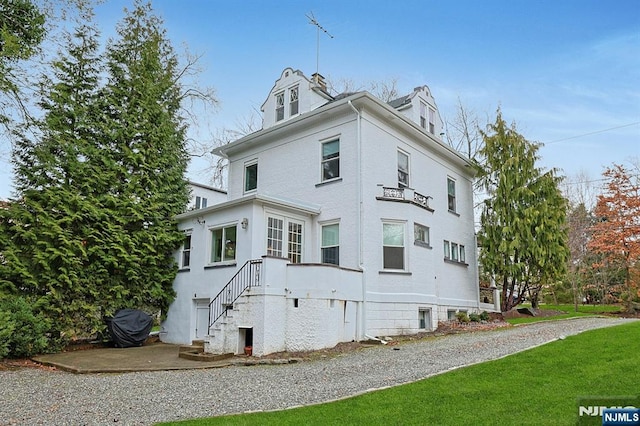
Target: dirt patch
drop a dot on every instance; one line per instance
(20, 363)
(444, 328)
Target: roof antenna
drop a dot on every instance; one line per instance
(313, 21)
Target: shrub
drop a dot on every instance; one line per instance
(6, 331)
(25, 331)
(474, 317)
(484, 316)
(462, 317)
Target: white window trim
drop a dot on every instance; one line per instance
(426, 244)
(322, 161)
(286, 219)
(277, 107)
(244, 176)
(460, 249)
(425, 313)
(455, 195)
(408, 184)
(290, 91)
(322, 225)
(405, 259)
(431, 125)
(187, 233)
(425, 117)
(209, 243)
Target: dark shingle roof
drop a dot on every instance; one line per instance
(397, 103)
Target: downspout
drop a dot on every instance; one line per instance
(363, 316)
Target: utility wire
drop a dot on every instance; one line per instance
(592, 133)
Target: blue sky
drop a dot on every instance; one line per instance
(567, 72)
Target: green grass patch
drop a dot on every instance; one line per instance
(569, 312)
(536, 387)
(528, 320)
(587, 309)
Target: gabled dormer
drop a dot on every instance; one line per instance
(291, 95)
(420, 107)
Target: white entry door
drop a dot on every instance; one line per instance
(202, 318)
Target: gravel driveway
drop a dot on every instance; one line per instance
(31, 396)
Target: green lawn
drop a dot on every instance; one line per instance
(588, 309)
(536, 387)
(570, 312)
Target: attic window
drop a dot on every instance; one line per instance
(423, 115)
(432, 121)
(293, 101)
(279, 106)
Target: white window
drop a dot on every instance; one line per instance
(451, 195)
(295, 242)
(330, 160)
(185, 251)
(279, 106)
(421, 234)
(432, 121)
(281, 244)
(274, 236)
(293, 101)
(393, 246)
(451, 314)
(250, 176)
(424, 319)
(223, 244)
(454, 252)
(201, 202)
(330, 248)
(403, 170)
(423, 115)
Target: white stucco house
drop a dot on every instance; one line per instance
(346, 218)
(203, 196)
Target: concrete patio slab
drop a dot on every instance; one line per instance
(151, 357)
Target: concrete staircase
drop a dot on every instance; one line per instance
(224, 333)
(195, 352)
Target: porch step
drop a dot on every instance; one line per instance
(201, 356)
(196, 346)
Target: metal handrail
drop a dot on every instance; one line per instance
(248, 276)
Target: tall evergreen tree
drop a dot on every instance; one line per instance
(522, 237)
(145, 134)
(58, 176)
(21, 31)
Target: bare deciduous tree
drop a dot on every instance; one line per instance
(463, 131)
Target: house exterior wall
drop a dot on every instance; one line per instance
(203, 280)
(212, 195)
(293, 309)
(290, 167)
(427, 278)
(310, 306)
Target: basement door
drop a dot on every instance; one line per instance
(202, 318)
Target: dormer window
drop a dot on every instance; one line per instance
(279, 106)
(432, 121)
(293, 101)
